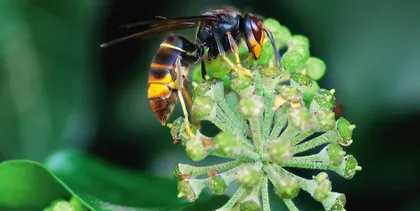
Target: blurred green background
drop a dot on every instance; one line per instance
(58, 89)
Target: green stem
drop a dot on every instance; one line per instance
(254, 124)
(268, 113)
(218, 91)
(230, 175)
(301, 137)
(232, 201)
(303, 159)
(264, 194)
(318, 166)
(325, 138)
(289, 133)
(224, 127)
(280, 122)
(289, 203)
(196, 171)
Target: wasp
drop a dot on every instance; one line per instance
(219, 31)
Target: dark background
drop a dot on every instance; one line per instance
(59, 89)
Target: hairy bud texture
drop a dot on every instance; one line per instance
(266, 124)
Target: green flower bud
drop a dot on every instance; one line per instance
(225, 143)
(290, 93)
(252, 106)
(349, 167)
(334, 202)
(345, 129)
(250, 205)
(325, 99)
(190, 189)
(176, 127)
(203, 88)
(335, 154)
(325, 119)
(203, 108)
(323, 189)
(217, 185)
(287, 187)
(300, 118)
(195, 148)
(295, 57)
(281, 33)
(280, 150)
(301, 79)
(240, 82)
(298, 40)
(248, 176)
(315, 68)
(270, 72)
(309, 93)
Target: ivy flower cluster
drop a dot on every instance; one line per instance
(268, 125)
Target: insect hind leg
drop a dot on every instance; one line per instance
(181, 91)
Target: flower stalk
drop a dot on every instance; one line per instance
(266, 123)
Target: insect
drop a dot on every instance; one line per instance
(218, 30)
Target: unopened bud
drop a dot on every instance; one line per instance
(280, 33)
(195, 148)
(345, 129)
(290, 93)
(323, 188)
(225, 143)
(217, 185)
(310, 92)
(250, 205)
(325, 99)
(295, 57)
(325, 119)
(190, 189)
(335, 153)
(203, 108)
(315, 68)
(240, 82)
(270, 72)
(287, 187)
(298, 39)
(301, 79)
(349, 167)
(300, 118)
(252, 106)
(280, 150)
(248, 176)
(203, 88)
(334, 202)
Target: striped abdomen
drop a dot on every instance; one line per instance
(163, 77)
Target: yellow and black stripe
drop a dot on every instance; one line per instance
(163, 77)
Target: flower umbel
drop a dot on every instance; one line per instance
(266, 123)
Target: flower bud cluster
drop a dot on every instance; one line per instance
(266, 122)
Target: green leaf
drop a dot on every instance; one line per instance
(28, 185)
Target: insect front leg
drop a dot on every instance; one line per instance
(238, 67)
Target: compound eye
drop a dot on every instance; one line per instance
(257, 29)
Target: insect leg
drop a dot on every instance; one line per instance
(181, 98)
(234, 48)
(238, 67)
